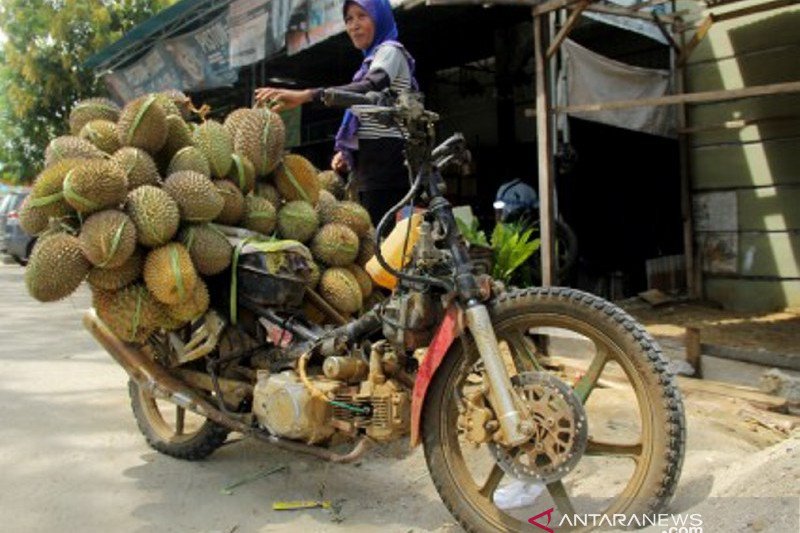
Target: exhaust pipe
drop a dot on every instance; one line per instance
(158, 382)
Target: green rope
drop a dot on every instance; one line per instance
(239, 171)
(139, 116)
(234, 303)
(114, 243)
(70, 194)
(47, 200)
(137, 313)
(295, 183)
(176, 271)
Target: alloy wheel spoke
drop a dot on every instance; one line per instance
(584, 386)
(491, 483)
(597, 447)
(559, 494)
(180, 416)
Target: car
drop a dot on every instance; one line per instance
(16, 242)
(6, 201)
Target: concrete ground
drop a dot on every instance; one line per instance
(72, 457)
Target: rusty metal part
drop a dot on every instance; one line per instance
(158, 382)
(233, 391)
(345, 368)
(203, 340)
(561, 431)
(477, 420)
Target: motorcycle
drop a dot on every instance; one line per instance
(452, 361)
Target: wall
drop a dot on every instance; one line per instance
(746, 181)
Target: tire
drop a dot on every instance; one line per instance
(192, 446)
(659, 460)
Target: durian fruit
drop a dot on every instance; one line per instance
(168, 105)
(70, 147)
(197, 197)
(332, 182)
(209, 249)
(339, 287)
(143, 124)
(233, 206)
(260, 137)
(216, 143)
(47, 193)
(113, 279)
(194, 306)
(242, 173)
(179, 135)
(138, 166)
(92, 109)
(268, 191)
(335, 245)
(234, 118)
(189, 158)
(102, 134)
(296, 179)
(325, 206)
(297, 221)
(352, 215)
(182, 102)
(169, 273)
(364, 281)
(314, 274)
(33, 220)
(56, 267)
(131, 313)
(95, 185)
(108, 238)
(155, 214)
(366, 247)
(259, 215)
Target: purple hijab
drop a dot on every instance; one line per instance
(385, 34)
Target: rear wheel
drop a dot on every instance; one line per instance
(171, 429)
(568, 346)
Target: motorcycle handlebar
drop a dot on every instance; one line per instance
(339, 98)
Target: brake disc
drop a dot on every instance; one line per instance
(559, 439)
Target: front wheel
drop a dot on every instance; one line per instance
(585, 367)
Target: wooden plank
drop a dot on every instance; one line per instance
(695, 97)
(769, 67)
(768, 163)
(544, 148)
(693, 352)
(753, 295)
(573, 19)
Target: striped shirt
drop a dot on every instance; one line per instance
(392, 61)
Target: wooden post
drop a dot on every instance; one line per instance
(693, 350)
(544, 144)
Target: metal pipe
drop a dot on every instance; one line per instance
(513, 425)
(158, 382)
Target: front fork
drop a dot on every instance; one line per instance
(516, 427)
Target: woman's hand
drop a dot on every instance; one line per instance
(283, 99)
(339, 163)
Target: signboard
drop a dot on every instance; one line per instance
(247, 23)
(313, 21)
(202, 56)
(154, 72)
(716, 224)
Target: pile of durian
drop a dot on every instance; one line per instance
(133, 200)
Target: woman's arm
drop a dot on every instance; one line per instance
(284, 99)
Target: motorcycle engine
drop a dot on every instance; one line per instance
(361, 399)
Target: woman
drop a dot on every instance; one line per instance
(373, 151)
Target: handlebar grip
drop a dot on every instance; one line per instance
(339, 98)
